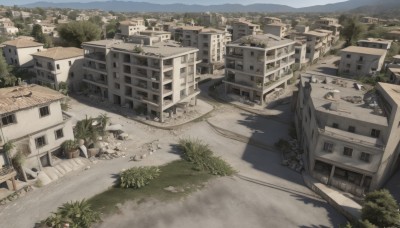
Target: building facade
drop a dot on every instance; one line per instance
(32, 120)
(18, 52)
(256, 66)
(361, 61)
(243, 28)
(152, 80)
(59, 64)
(375, 43)
(350, 136)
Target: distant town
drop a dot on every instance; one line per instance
(206, 119)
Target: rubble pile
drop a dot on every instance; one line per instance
(146, 150)
(293, 157)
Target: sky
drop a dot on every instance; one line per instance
(293, 3)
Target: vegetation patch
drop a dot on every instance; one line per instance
(199, 153)
(138, 177)
(178, 174)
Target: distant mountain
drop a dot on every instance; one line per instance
(390, 9)
(124, 6)
(129, 6)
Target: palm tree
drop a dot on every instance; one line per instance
(104, 120)
(85, 130)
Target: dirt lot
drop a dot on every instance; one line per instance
(265, 193)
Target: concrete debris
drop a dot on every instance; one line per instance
(173, 189)
(294, 158)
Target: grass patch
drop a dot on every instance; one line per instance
(179, 174)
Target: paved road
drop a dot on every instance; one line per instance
(266, 193)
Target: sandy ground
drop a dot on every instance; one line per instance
(270, 194)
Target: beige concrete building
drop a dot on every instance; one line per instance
(152, 80)
(18, 52)
(277, 29)
(331, 24)
(258, 65)
(131, 27)
(369, 20)
(394, 75)
(318, 44)
(271, 20)
(59, 64)
(394, 35)
(8, 30)
(361, 61)
(210, 42)
(375, 43)
(32, 119)
(243, 28)
(300, 48)
(350, 136)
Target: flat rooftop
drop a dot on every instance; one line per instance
(364, 50)
(354, 103)
(376, 40)
(103, 43)
(22, 43)
(162, 49)
(21, 97)
(268, 40)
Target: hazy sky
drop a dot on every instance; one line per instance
(293, 3)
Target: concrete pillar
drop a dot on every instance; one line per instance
(331, 175)
(174, 108)
(50, 159)
(14, 185)
(195, 101)
(362, 180)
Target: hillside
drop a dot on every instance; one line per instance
(375, 6)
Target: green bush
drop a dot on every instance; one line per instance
(77, 214)
(199, 153)
(138, 177)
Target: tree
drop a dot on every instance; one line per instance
(352, 31)
(3, 67)
(394, 50)
(72, 15)
(37, 32)
(76, 32)
(111, 28)
(381, 209)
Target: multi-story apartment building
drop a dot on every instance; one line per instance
(361, 61)
(394, 75)
(369, 20)
(243, 28)
(8, 30)
(272, 20)
(318, 44)
(258, 65)
(331, 24)
(210, 42)
(18, 52)
(350, 136)
(59, 64)
(300, 48)
(394, 34)
(131, 27)
(154, 79)
(32, 120)
(375, 43)
(277, 29)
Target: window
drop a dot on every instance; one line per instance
(7, 120)
(44, 111)
(59, 133)
(69, 63)
(359, 67)
(335, 125)
(375, 133)
(40, 141)
(328, 147)
(251, 78)
(116, 85)
(71, 75)
(348, 56)
(58, 66)
(251, 67)
(252, 53)
(365, 157)
(352, 129)
(347, 151)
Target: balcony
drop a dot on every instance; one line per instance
(352, 137)
(96, 56)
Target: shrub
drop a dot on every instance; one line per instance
(138, 177)
(199, 153)
(77, 214)
(282, 145)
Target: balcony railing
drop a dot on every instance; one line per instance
(96, 56)
(351, 137)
